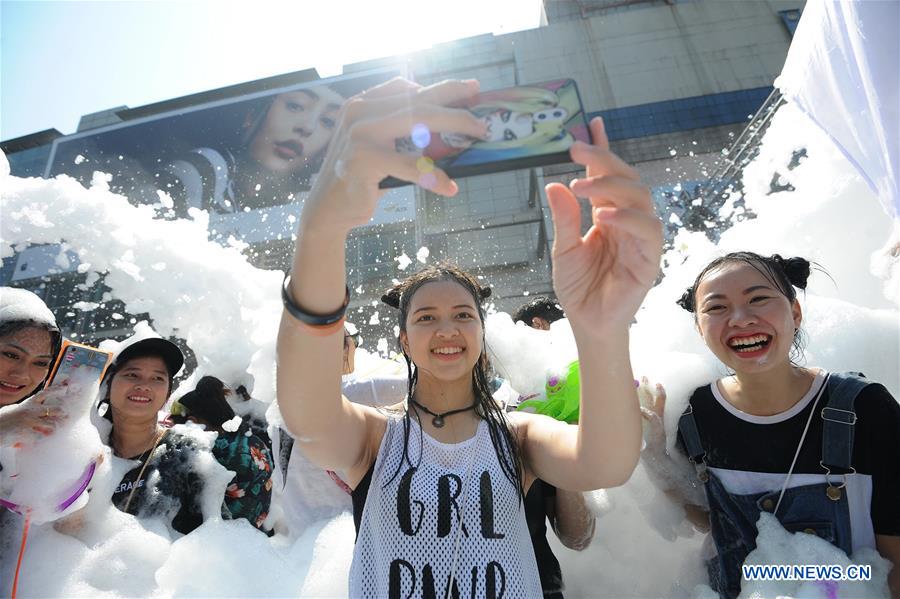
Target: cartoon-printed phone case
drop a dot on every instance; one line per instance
(528, 126)
(77, 359)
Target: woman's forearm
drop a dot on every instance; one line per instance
(603, 449)
(309, 366)
(574, 523)
(609, 434)
(318, 276)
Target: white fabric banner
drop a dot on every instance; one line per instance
(842, 70)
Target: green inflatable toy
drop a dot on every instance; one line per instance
(562, 397)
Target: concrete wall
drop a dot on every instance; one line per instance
(620, 57)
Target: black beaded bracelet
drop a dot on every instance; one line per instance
(313, 320)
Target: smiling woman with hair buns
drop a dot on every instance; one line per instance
(820, 451)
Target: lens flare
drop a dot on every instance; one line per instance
(421, 136)
(425, 165)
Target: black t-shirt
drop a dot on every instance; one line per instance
(176, 484)
(752, 454)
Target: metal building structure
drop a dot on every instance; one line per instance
(677, 82)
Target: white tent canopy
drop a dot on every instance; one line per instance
(842, 71)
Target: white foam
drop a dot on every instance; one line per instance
(41, 473)
(228, 313)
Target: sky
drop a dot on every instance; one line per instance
(60, 60)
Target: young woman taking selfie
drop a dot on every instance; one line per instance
(443, 508)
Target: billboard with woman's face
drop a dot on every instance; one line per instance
(247, 161)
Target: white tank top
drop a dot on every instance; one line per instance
(410, 524)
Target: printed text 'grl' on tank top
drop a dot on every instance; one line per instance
(410, 523)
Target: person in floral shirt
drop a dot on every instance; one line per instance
(249, 494)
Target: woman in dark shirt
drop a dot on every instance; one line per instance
(817, 450)
(249, 493)
(164, 481)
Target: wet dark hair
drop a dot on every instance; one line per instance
(785, 274)
(502, 437)
(10, 328)
(539, 307)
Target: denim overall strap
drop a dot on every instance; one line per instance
(839, 420)
(691, 436)
(732, 521)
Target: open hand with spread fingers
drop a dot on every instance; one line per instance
(363, 150)
(601, 278)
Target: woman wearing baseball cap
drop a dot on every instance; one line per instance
(139, 383)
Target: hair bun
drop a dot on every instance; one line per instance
(484, 293)
(207, 402)
(796, 269)
(392, 297)
(210, 387)
(686, 300)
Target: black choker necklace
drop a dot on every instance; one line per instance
(438, 419)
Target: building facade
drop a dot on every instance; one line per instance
(675, 80)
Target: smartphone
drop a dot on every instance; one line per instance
(529, 126)
(75, 358)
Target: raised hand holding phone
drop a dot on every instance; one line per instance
(361, 154)
(70, 390)
(363, 151)
(49, 447)
(527, 126)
